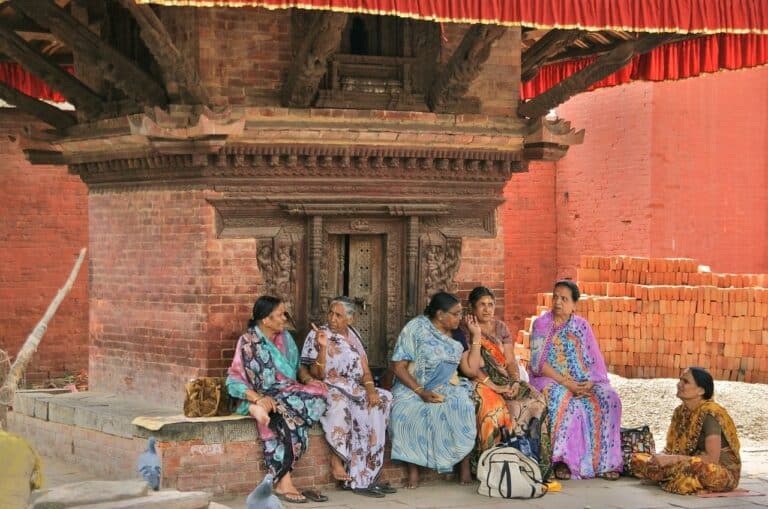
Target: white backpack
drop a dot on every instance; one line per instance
(505, 472)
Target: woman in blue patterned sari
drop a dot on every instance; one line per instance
(280, 394)
(432, 423)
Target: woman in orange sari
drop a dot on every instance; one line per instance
(702, 452)
(502, 400)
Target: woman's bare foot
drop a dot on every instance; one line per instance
(337, 469)
(258, 413)
(465, 474)
(413, 476)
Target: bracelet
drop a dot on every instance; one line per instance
(369, 382)
(475, 343)
(321, 364)
(418, 389)
(484, 380)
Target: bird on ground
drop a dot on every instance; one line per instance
(262, 497)
(149, 465)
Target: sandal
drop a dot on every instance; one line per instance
(291, 498)
(384, 487)
(314, 496)
(610, 476)
(562, 472)
(368, 492)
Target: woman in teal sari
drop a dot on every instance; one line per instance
(432, 423)
(280, 394)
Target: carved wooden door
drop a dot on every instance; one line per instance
(365, 284)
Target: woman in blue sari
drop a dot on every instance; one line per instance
(432, 423)
(280, 394)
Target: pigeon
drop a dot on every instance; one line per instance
(149, 465)
(262, 498)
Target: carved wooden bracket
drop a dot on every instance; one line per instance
(602, 67)
(552, 43)
(322, 40)
(464, 66)
(180, 77)
(115, 67)
(38, 109)
(550, 139)
(85, 99)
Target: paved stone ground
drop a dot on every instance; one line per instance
(592, 494)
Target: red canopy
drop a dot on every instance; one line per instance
(736, 31)
(681, 16)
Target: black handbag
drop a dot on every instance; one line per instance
(634, 440)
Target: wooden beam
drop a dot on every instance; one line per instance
(115, 67)
(464, 66)
(181, 79)
(322, 40)
(578, 82)
(38, 109)
(84, 99)
(552, 43)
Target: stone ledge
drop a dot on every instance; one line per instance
(114, 415)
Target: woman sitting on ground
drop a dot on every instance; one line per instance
(584, 412)
(502, 401)
(433, 418)
(281, 395)
(355, 424)
(702, 452)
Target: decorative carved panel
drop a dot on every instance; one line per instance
(440, 259)
(278, 259)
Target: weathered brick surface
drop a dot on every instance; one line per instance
(482, 263)
(530, 239)
(149, 291)
(43, 225)
(668, 169)
(219, 467)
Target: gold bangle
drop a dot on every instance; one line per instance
(475, 343)
(369, 382)
(321, 364)
(418, 389)
(484, 380)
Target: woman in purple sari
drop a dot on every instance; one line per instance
(584, 410)
(281, 395)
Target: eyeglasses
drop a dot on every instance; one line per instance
(457, 314)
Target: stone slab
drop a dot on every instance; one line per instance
(159, 500)
(89, 492)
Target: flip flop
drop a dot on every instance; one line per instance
(289, 497)
(610, 476)
(314, 496)
(562, 472)
(368, 492)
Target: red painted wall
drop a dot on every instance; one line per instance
(43, 226)
(674, 169)
(530, 239)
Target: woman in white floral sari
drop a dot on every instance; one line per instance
(355, 423)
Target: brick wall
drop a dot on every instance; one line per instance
(482, 263)
(149, 291)
(43, 226)
(530, 239)
(710, 170)
(668, 169)
(603, 187)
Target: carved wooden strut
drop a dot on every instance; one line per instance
(464, 66)
(115, 67)
(311, 63)
(181, 80)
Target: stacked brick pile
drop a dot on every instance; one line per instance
(653, 316)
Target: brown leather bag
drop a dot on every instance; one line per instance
(207, 397)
